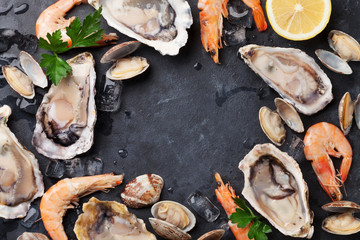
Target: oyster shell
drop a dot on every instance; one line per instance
(293, 74)
(344, 45)
(126, 68)
(160, 24)
(66, 117)
(19, 81)
(109, 220)
(333, 62)
(32, 236)
(142, 191)
(20, 178)
(275, 187)
(272, 125)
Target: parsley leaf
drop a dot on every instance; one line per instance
(81, 35)
(243, 216)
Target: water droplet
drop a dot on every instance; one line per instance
(170, 190)
(78, 210)
(21, 8)
(115, 162)
(263, 92)
(5, 10)
(197, 66)
(123, 153)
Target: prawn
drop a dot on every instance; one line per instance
(225, 195)
(211, 24)
(59, 197)
(321, 140)
(258, 13)
(52, 19)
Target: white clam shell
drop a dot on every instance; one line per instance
(167, 230)
(344, 45)
(272, 125)
(333, 62)
(119, 51)
(289, 115)
(142, 191)
(33, 70)
(137, 66)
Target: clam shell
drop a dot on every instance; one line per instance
(289, 115)
(190, 215)
(19, 81)
(213, 235)
(126, 68)
(357, 111)
(341, 224)
(346, 110)
(33, 70)
(142, 191)
(167, 230)
(120, 51)
(32, 236)
(272, 125)
(344, 45)
(333, 62)
(341, 207)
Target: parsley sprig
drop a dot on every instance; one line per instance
(243, 216)
(81, 35)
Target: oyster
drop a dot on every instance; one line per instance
(66, 117)
(344, 45)
(20, 178)
(293, 74)
(333, 62)
(160, 24)
(109, 220)
(275, 187)
(32, 236)
(142, 191)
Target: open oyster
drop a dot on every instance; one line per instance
(293, 74)
(160, 24)
(66, 117)
(275, 187)
(109, 220)
(20, 178)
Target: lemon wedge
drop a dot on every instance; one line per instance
(298, 19)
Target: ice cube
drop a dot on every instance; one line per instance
(55, 169)
(108, 96)
(29, 105)
(31, 217)
(203, 206)
(234, 36)
(74, 168)
(94, 166)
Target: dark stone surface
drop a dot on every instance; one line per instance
(185, 124)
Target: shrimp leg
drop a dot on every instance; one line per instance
(258, 13)
(225, 194)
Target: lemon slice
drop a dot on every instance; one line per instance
(298, 19)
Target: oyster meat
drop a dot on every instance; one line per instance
(160, 24)
(275, 187)
(293, 74)
(20, 178)
(109, 220)
(66, 117)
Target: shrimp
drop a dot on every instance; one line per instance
(59, 197)
(225, 195)
(258, 13)
(52, 19)
(321, 140)
(211, 24)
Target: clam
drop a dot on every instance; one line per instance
(32, 236)
(109, 220)
(33, 70)
(346, 110)
(142, 191)
(213, 235)
(293, 74)
(126, 68)
(172, 220)
(357, 111)
(119, 51)
(19, 81)
(343, 223)
(272, 125)
(289, 115)
(333, 62)
(344, 45)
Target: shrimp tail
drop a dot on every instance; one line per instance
(259, 18)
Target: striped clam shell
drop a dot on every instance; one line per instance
(142, 191)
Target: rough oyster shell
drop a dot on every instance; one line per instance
(66, 117)
(32, 236)
(109, 220)
(20, 178)
(275, 187)
(142, 191)
(160, 24)
(293, 74)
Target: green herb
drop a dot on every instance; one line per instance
(85, 35)
(243, 216)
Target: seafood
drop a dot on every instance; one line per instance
(225, 194)
(119, 51)
(258, 13)
(275, 187)
(58, 199)
(66, 117)
(323, 140)
(357, 111)
(32, 236)
(344, 45)
(213, 235)
(142, 191)
(272, 125)
(33, 70)
(109, 220)
(293, 74)
(19, 81)
(211, 24)
(52, 19)
(20, 178)
(289, 115)
(126, 68)
(346, 110)
(343, 223)
(160, 24)
(333, 62)
(172, 220)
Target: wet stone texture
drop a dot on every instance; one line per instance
(180, 121)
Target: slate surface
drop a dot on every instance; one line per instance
(185, 124)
